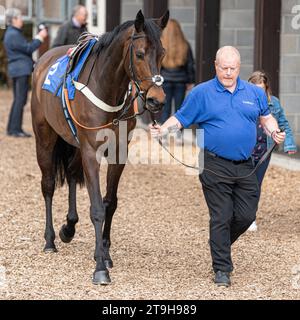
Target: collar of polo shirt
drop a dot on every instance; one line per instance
(221, 88)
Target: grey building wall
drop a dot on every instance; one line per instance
(237, 28)
(184, 11)
(129, 9)
(290, 66)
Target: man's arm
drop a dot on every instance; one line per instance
(270, 125)
(170, 126)
(19, 43)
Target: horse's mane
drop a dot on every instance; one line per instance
(151, 29)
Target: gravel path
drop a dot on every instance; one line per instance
(159, 237)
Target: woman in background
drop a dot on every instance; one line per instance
(177, 67)
(265, 142)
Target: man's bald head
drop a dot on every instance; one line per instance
(227, 64)
(228, 52)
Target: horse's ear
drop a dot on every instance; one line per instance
(139, 22)
(162, 22)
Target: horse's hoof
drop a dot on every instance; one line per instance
(50, 250)
(108, 263)
(101, 277)
(63, 237)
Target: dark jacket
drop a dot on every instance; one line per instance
(184, 74)
(68, 33)
(19, 52)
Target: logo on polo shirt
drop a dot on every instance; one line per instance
(248, 102)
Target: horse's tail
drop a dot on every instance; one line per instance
(68, 163)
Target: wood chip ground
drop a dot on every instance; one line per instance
(159, 235)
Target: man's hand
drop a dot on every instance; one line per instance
(172, 125)
(278, 136)
(270, 126)
(155, 130)
(42, 35)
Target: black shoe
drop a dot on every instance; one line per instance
(222, 279)
(19, 134)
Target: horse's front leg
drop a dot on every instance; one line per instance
(110, 200)
(114, 172)
(97, 212)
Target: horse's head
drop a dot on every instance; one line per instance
(145, 57)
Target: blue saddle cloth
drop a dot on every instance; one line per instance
(54, 79)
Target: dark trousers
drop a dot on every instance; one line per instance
(20, 90)
(176, 91)
(260, 172)
(232, 206)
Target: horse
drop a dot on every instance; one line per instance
(131, 53)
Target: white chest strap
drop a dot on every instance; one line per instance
(96, 101)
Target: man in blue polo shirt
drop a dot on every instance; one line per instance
(227, 109)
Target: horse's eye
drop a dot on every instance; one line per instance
(140, 55)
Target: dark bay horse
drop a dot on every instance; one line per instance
(131, 52)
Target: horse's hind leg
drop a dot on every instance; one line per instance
(45, 160)
(67, 231)
(110, 201)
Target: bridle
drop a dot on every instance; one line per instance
(156, 80)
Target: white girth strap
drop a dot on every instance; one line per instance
(96, 101)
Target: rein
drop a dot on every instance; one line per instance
(262, 159)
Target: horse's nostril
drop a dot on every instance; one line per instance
(152, 102)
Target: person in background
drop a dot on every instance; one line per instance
(20, 65)
(264, 142)
(177, 69)
(70, 31)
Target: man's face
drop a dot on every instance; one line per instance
(82, 16)
(18, 22)
(228, 70)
